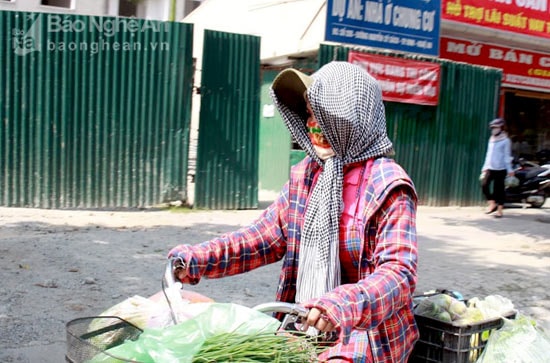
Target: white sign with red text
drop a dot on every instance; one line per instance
(402, 80)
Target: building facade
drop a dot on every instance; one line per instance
(515, 37)
(144, 9)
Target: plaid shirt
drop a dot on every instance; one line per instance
(373, 307)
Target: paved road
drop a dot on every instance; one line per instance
(460, 249)
(463, 249)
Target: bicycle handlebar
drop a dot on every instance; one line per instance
(282, 307)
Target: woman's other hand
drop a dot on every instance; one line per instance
(320, 321)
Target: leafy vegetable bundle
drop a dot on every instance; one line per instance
(246, 348)
(220, 333)
(450, 310)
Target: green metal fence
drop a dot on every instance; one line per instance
(94, 111)
(276, 155)
(227, 154)
(442, 147)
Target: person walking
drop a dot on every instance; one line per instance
(344, 224)
(497, 165)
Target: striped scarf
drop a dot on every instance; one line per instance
(347, 103)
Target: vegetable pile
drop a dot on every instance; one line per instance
(220, 332)
(446, 308)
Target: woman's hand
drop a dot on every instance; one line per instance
(181, 257)
(180, 273)
(180, 270)
(317, 319)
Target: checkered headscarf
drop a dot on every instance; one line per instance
(347, 103)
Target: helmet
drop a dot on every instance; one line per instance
(498, 122)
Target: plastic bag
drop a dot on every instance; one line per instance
(153, 312)
(178, 343)
(492, 306)
(162, 317)
(446, 308)
(483, 177)
(136, 310)
(519, 341)
(511, 181)
(179, 309)
(442, 307)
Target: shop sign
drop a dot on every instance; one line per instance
(402, 80)
(530, 17)
(402, 25)
(520, 68)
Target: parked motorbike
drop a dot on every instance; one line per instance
(533, 184)
(543, 156)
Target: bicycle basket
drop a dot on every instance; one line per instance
(90, 337)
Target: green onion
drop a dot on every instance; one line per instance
(263, 347)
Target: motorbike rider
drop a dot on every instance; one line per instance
(497, 165)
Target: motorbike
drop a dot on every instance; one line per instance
(532, 186)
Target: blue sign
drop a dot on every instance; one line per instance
(402, 25)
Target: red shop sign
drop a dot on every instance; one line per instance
(519, 16)
(520, 68)
(402, 80)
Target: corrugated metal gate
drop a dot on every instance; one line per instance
(227, 154)
(94, 111)
(92, 116)
(275, 141)
(442, 147)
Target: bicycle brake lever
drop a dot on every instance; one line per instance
(293, 312)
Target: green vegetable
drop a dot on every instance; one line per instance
(444, 316)
(457, 309)
(433, 306)
(443, 301)
(471, 316)
(180, 343)
(241, 348)
(448, 309)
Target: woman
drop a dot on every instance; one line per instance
(344, 224)
(497, 165)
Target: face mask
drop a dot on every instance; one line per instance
(495, 131)
(320, 144)
(323, 152)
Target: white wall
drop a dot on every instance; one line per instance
(154, 9)
(160, 9)
(146, 9)
(89, 7)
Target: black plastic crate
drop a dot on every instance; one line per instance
(443, 342)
